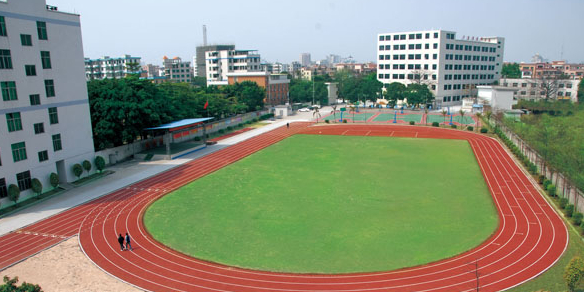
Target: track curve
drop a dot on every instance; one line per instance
(531, 236)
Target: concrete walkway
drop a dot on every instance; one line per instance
(126, 173)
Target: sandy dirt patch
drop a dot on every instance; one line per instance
(65, 268)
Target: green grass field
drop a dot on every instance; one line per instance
(332, 204)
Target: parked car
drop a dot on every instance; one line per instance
(304, 110)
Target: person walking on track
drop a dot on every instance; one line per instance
(128, 244)
(121, 241)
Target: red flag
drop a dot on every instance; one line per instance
(206, 104)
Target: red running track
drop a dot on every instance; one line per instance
(530, 237)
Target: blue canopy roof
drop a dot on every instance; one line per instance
(180, 123)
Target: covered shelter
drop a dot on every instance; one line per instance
(181, 131)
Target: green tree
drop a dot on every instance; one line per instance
(133, 68)
(444, 113)
(199, 81)
(418, 94)
(461, 113)
(478, 115)
(99, 163)
(370, 87)
(395, 91)
(54, 179)
(37, 186)
(77, 170)
(10, 286)
(86, 165)
(511, 70)
(574, 272)
(13, 193)
(251, 95)
(581, 91)
(122, 108)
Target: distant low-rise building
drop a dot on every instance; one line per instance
(277, 85)
(498, 98)
(534, 89)
(555, 69)
(111, 68)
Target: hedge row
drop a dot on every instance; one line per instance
(531, 167)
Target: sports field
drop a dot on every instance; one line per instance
(332, 204)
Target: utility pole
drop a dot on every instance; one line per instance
(204, 35)
(477, 274)
(312, 89)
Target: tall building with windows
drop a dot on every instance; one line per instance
(45, 125)
(451, 66)
(199, 60)
(220, 63)
(175, 70)
(111, 68)
(305, 59)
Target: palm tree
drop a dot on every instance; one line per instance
(334, 112)
(478, 115)
(316, 113)
(488, 114)
(426, 112)
(461, 119)
(444, 113)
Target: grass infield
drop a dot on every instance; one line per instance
(332, 204)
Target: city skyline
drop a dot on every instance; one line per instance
(282, 31)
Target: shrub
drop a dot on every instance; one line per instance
(563, 203)
(532, 168)
(86, 165)
(577, 218)
(412, 123)
(540, 178)
(574, 272)
(255, 120)
(551, 189)
(546, 183)
(327, 121)
(37, 186)
(569, 210)
(10, 285)
(77, 170)
(484, 130)
(453, 126)
(221, 131)
(13, 193)
(229, 128)
(99, 163)
(435, 124)
(344, 121)
(54, 179)
(470, 128)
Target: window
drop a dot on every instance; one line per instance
(3, 189)
(46, 59)
(57, 142)
(5, 59)
(427, 46)
(8, 90)
(53, 115)
(30, 70)
(418, 46)
(35, 99)
(50, 88)
(427, 35)
(2, 26)
(14, 122)
(435, 35)
(26, 40)
(411, 46)
(23, 179)
(42, 30)
(18, 151)
(381, 38)
(43, 156)
(39, 128)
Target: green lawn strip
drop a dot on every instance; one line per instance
(332, 204)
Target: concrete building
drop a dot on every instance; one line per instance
(332, 90)
(496, 97)
(451, 67)
(199, 61)
(305, 59)
(111, 68)
(45, 125)
(175, 70)
(534, 89)
(555, 69)
(277, 85)
(223, 62)
(151, 71)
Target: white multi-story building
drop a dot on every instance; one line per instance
(175, 70)
(111, 68)
(451, 67)
(220, 63)
(45, 125)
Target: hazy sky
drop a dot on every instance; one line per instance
(281, 30)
